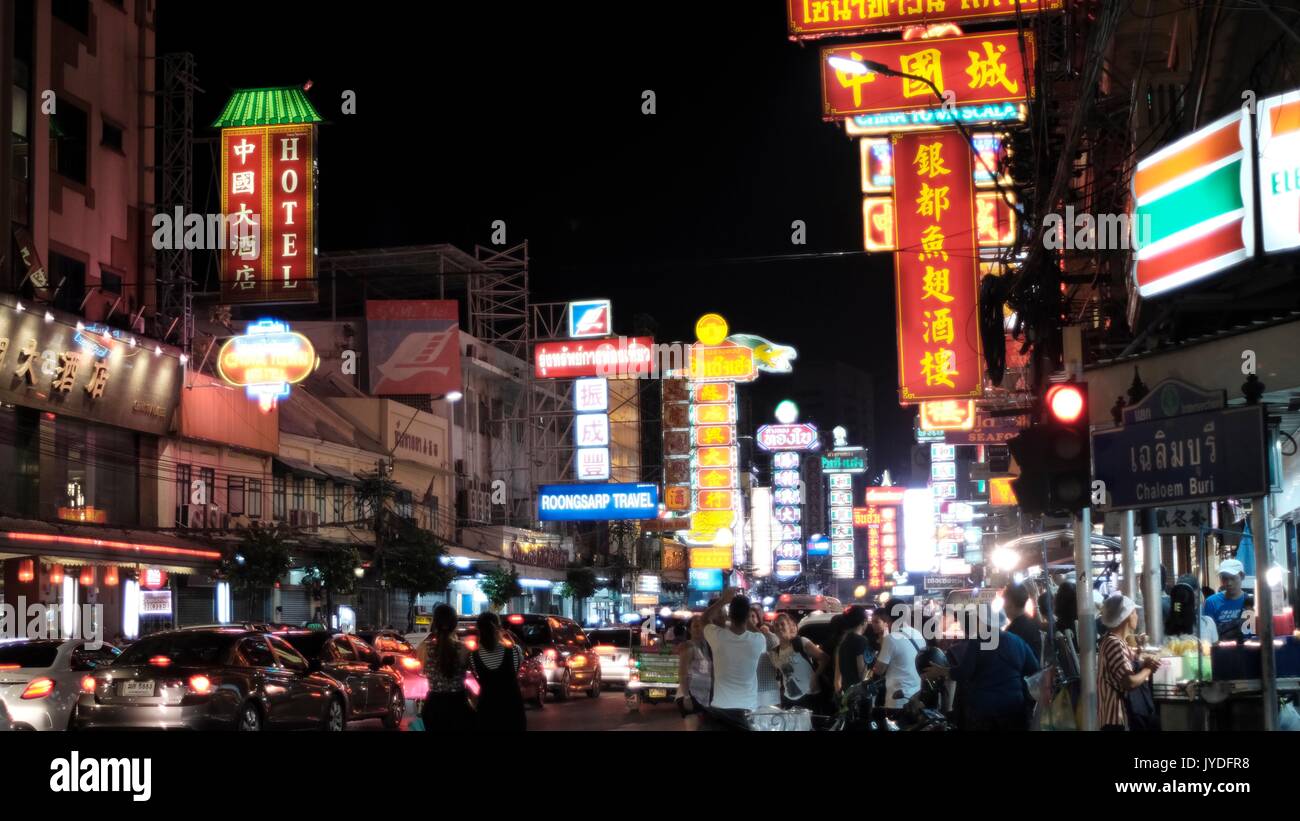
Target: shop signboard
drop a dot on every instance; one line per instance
(572, 359)
(590, 318)
(1279, 171)
(811, 19)
(414, 346)
(94, 372)
(590, 503)
(798, 436)
(980, 69)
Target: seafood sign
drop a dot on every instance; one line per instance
(1196, 457)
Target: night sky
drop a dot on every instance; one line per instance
(532, 115)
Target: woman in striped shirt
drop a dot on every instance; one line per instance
(496, 666)
(1123, 676)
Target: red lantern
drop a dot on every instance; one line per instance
(26, 570)
(56, 574)
(110, 576)
(88, 576)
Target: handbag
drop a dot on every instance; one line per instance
(1140, 706)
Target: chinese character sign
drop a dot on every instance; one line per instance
(936, 275)
(810, 19)
(268, 182)
(978, 69)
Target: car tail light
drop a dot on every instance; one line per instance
(38, 688)
(515, 619)
(631, 664)
(200, 685)
(160, 661)
(8, 666)
(471, 644)
(88, 684)
(577, 661)
(409, 663)
(551, 655)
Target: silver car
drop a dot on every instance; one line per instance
(40, 680)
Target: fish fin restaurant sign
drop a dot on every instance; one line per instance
(572, 359)
(811, 19)
(593, 503)
(1181, 445)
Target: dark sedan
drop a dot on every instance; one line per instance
(371, 684)
(210, 678)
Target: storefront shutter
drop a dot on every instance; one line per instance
(296, 607)
(196, 605)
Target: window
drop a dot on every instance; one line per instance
(208, 477)
(254, 652)
(255, 498)
(75, 13)
(286, 656)
(365, 652)
(109, 281)
(299, 493)
(278, 498)
(235, 495)
(69, 126)
(83, 659)
(69, 276)
(340, 649)
(320, 499)
(340, 505)
(458, 414)
(404, 504)
(111, 137)
(182, 486)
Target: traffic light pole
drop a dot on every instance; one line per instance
(1087, 620)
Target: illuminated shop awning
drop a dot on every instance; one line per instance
(24, 537)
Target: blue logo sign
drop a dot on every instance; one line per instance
(590, 319)
(594, 503)
(705, 580)
(819, 546)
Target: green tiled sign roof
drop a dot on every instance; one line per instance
(267, 106)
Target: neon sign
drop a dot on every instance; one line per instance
(266, 360)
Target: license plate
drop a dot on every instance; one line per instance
(658, 693)
(137, 688)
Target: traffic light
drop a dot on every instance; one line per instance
(1055, 456)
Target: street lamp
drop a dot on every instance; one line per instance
(861, 67)
(453, 396)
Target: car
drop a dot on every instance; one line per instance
(532, 674)
(370, 682)
(615, 648)
(40, 680)
(800, 605)
(567, 656)
(393, 643)
(6, 724)
(228, 678)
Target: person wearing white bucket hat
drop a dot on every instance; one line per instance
(1124, 696)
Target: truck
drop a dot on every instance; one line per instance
(653, 678)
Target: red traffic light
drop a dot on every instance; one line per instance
(1066, 403)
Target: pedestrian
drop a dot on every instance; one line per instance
(735, 649)
(496, 666)
(1015, 603)
(694, 670)
(990, 675)
(1228, 608)
(1124, 694)
(851, 652)
(799, 662)
(900, 644)
(769, 679)
(446, 659)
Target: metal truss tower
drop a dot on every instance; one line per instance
(176, 189)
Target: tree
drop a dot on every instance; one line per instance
(500, 586)
(580, 584)
(332, 570)
(258, 561)
(416, 566)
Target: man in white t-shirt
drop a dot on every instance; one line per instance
(735, 651)
(899, 645)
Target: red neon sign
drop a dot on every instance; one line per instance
(81, 541)
(810, 19)
(622, 357)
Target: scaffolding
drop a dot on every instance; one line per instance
(175, 315)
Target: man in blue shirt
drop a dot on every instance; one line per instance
(990, 676)
(1227, 607)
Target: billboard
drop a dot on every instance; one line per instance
(936, 275)
(980, 69)
(268, 196)
(810, 19)
(1279, 170)
(593, 503)
(590, 318)
(414, 347)
(996, 222)
(797, 436)
(265, 360)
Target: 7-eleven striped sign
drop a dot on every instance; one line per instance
(1195, 202)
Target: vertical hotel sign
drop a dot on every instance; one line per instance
(935, 267)
(268, 182)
